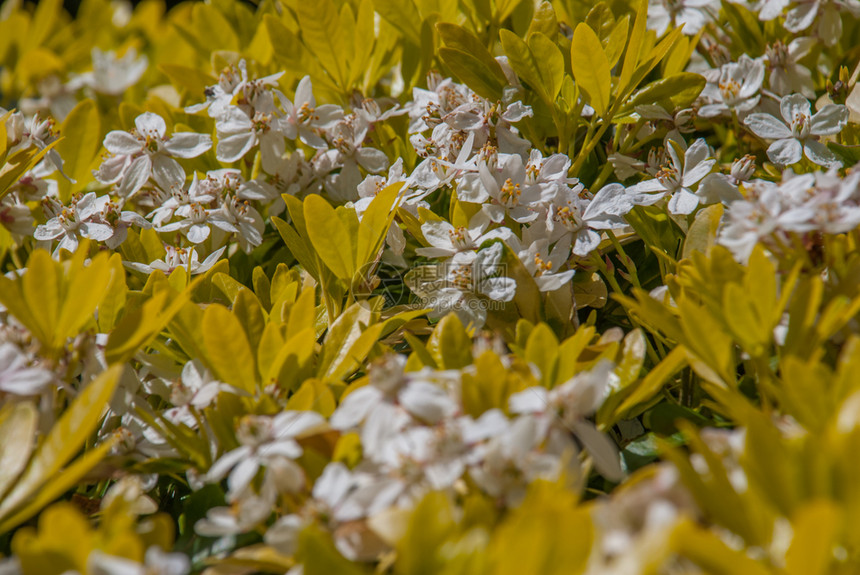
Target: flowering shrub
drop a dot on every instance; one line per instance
(383, 286)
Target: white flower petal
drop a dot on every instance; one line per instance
(820, 154)
(766, 126)
(830, 120)
(197, 233)
(167, 172)
(135, 176)
(150, 124)
(785, 152)
(793, 106)
(683, 202)
(122, 143)
(188, 144)
(233, 147)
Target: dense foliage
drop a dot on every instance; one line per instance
(430, 286)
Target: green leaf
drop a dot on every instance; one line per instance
(193, 80)
(529, 540)
(137, 328)
(550, 64)
(681, 90)
(430, 524)
(591, 68)
(80, 145)
(228, 352)
(544, 21)
(318, 555)
(249, 312)
(617, 40)
(652, 383)
(86, 288)
(745, 28)
(213, 29)
(329, 237)
(542, 351)
(363, 43)
(702, 235)
(634, 49)
(17, 439)
(375, 223)
(342, 334)
(41, 288)
(816, 527)
(522, 61)
(114, 298)
(709, 552)
(472, 72)
(61, 444)
(403, 15)
(450, 344)
(322, 35)
(460, 39)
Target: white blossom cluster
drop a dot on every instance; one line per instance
(465, 143)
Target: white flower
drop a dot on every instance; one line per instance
(464, 283)
(392, 401)
(120, 220)
(219, 96)
(749, 221)
(566, 407)
(179, 200)
(507, 191)
(77, 220)
(238, 133)
(736, 90)
(239, 217)
(195, 389)
(798, 133)
(156, 562)
(54, 97)
(112, 75)
(517, 455)
(580, 220)
(243, 515)
(543, 263)
(805, 13)
(687, 168)
(21, 133)
(434, 173)
(178, 258)
(17, 376)
(446, 240)
(304, 119)
(722, 188)
(663, 14)
(348, 138)
(15, 216)
(145, 152)
(787, 75)
(233, 84)
(267, 442)
(194, 225)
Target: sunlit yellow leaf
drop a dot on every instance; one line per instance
(591, 68)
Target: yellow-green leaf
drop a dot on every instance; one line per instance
(80, 145)
(550, 64)
(591, 68)
(321, 33)
(228, 351)
(329, 237)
